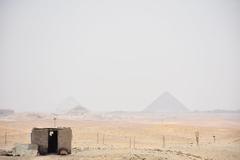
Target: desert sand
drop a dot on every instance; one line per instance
(136, 138)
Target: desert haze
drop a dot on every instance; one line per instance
(120, 79)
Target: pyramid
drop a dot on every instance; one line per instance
(166, 103)
(71, 106)
(77, 110)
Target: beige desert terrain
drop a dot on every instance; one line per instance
(136, 138)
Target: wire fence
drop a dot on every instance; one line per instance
(101, 139)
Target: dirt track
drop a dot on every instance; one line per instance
(123, 154)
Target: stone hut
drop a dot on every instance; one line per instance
(52, 140)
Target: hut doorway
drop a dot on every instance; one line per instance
(52, 141)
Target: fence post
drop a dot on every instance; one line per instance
(97, 138)
(54, 122)
(103, 139)
(134, 142)
(163, 141)
(214, 139)
(197, 137)
(5, 141)
(130, 142)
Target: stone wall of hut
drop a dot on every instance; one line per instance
(65, 139)
(40, 137)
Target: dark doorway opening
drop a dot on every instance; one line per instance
(52, 141)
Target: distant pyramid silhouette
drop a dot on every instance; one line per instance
(78, 110)
(71, 105)
(166, 103)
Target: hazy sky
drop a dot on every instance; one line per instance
(119, 55)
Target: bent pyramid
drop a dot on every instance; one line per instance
(166, 103)
(71, 106)
(78, 109)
